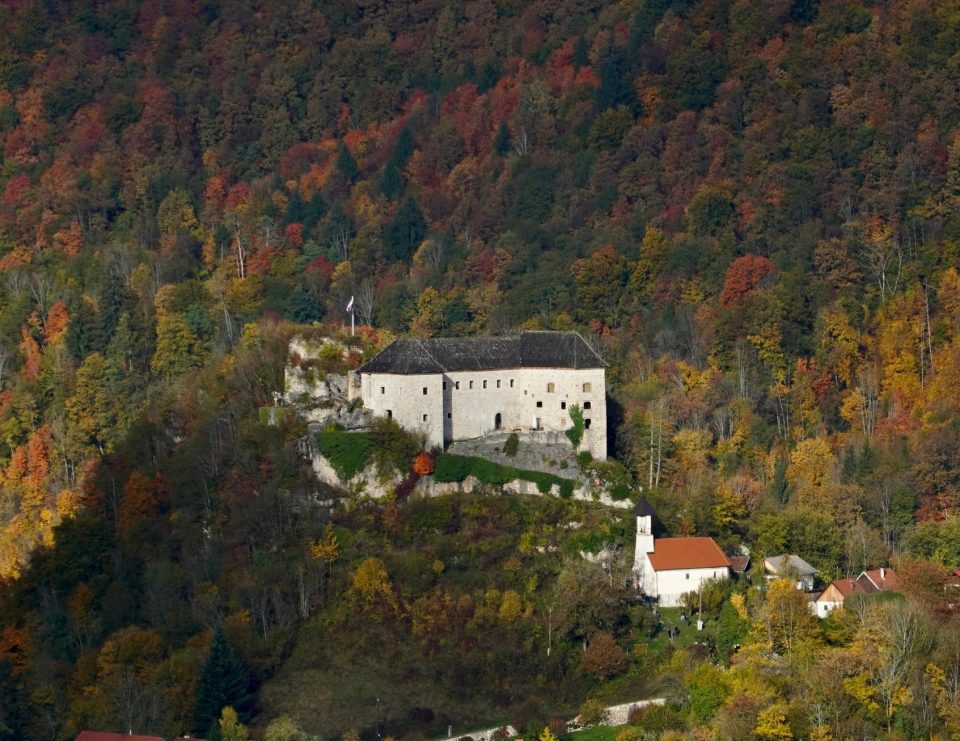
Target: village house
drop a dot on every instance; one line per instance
(791, 567)
(667, 568)
(458, 388)
(869, 582)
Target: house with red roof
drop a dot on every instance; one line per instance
(869, 582)
(667, 568)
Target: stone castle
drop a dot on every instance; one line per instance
(462, 388)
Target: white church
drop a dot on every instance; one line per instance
(667, 568)
(458, 388)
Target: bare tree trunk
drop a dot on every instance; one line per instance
(365, 302)
(659, 443)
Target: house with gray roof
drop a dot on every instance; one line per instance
(459, 388)
(791, 567)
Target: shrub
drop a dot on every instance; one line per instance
(603, 657)
(512, 444)
(423, 464)
(584, 458)
(592, 712)
(564, 465)
(620, 492)
(575, 433)
(657, 719)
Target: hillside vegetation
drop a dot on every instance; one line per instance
(749, 208)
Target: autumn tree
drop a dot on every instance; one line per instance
(744, 275)
(97, 410)
(785, 618)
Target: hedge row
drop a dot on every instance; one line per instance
(449, 467)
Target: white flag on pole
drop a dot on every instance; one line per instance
(350, 305)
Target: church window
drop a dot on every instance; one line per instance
(587, 388)
(586, 423)
(586, 405)
(563, 405)
(551, 387)
(484, 384)
(539, 405)
(424, 390)
(688, 576)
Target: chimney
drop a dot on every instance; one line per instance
(883, 573)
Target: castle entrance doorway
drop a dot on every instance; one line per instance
(497, 422)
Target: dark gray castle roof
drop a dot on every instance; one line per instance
(448, 354)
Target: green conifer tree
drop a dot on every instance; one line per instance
(223, 682)
(346, 164)
(406, 231)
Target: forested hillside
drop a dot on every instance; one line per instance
(751, 210)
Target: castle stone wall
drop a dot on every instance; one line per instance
(464, 405)
(415, 402)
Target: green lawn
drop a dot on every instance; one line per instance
(598, 733)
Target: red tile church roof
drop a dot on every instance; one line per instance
(686, 553)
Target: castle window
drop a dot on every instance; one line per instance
(444, 385)
(498, 383)
(457, 387)
(586, 423)
(484, 384)
(511, 383)
(539, 405)
(586, 388)
(389, 414)
(383, 390)
(471, 384)
(586, 405)
(551, 387)
(424, 417)
(449, 415)
(563, 405)
(688, 576)
(424, 390)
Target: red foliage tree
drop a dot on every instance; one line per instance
(423, 464)
(743, 276)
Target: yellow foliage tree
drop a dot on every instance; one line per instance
(811, 472)
(772, 723)
(371, 587)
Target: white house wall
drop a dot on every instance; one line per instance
(670, 585)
